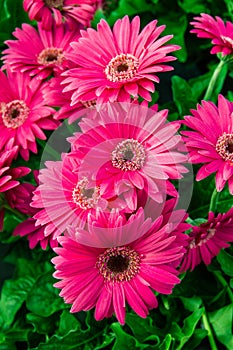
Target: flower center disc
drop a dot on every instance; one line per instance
(123, 67)
(118, 264)
(54, 3)
(224, 146)
(50, 56)
(85, 198)
(89, 104)
(129, 155)
(202, 237)
(14, 113)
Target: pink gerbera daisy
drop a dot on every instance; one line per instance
(23, 114)
(59, 11)
(206, 240)
(65, 198)
(41, 52)
(211, 142)
(129, 143)
(115, 65)
(108, 278)
(9, 177)
(221, 33)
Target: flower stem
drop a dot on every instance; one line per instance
(206, 324)
(213, 80)
(214, 200)
(224, 283)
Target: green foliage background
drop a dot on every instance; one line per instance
(33, 316)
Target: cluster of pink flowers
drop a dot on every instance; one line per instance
(108, 206)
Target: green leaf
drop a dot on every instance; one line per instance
(189, 326)
(41, 325)
(221, 321)
(182, 95)
(226, 262)
(176, 25)
(68, 323)
(43, 299)
(130, 8)
(124, 340)
(142, 328)
(191, 304)
(166, 343)
(14, 293)
(192, 6)
(195, 340)
(229, 5)
(8, 346)
(230, 96)
(199, 85)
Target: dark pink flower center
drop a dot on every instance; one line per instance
(118, 264)
(54, 3)
(14, 113)
(224, 146)
(202, 237)
(89, 104)
(123, 67)
(129, 155)
(85, 198)
(51, 56)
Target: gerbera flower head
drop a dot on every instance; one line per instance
(133, 144)
(23, 113)
(41, 52)
(64, 197)
(113, 65)
(59, 11)
(211, 141)
(214, 28)
(107, 278)
(206, 240)
(9, 176)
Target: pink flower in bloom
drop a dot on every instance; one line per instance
(130, 144)
(23, 114)
(64, 198)
(206, 240)
(9, 176)
(41, 52)
(114, 65)
(108, 278)
(211, 142)
(58, 11)
(221, 33)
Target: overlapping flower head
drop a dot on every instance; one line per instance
(59, 11)
(206, 240)
(23, 112)
(211, 140)
(46, 54)
(108, 278)
(221, 33)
